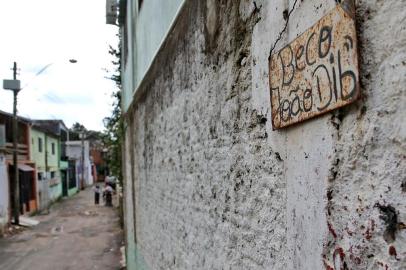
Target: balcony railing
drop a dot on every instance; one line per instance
(22, 150)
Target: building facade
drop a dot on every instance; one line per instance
(97, 157)
(210, 185)
(26, 169)
(53, 161)
(74, 152)
(45, 151)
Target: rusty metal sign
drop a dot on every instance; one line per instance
(318, 71)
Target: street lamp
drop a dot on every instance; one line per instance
(14, 85)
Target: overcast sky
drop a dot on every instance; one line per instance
(38, 33)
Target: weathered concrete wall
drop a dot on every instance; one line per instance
(367, 188)
(213, 187)
(129, 206)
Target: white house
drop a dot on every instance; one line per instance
(74, 152)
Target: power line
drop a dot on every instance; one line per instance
(37, 74)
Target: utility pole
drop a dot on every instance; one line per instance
(16, 183)
(15, 86)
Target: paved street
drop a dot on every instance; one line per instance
(76, 234)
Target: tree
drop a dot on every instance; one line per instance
(113, 135)
(75, 130)
(114, 128)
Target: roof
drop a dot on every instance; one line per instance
(20, 118)
(76, 143)
(25, 168)
(54, 122)
(52, 127)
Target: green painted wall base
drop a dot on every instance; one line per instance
(135, 260)
(72, 191)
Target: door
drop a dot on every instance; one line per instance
(27, 188)
(64, 179)
(72, 174)
(25, 191)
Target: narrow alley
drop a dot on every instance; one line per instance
(75, 234)
(228, 134)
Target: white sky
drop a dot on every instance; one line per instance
(36, 33)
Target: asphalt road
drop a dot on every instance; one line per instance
(76, 234)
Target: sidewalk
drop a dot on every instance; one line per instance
(75, 235)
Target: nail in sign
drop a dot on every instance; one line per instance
(318, 71)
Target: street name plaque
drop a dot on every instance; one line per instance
(318, 71)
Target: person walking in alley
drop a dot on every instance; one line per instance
(97, 192)
(108, 195)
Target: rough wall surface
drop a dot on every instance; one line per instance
(213, 187)
(367, 191)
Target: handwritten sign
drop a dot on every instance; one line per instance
(318, 71)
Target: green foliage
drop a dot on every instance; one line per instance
(114, 128)
(75, 130)
(92, 135)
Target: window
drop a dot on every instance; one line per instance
(39, 176)
(52, 175)
(40, 145)
(53, 148)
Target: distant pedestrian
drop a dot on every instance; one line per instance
(111, 181)
(108, 194)
(97, 192)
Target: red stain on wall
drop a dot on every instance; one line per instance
(330, 228)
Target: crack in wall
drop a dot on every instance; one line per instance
(286, 16)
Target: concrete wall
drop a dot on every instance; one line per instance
(145, 34)
(49, 189)
(128, 206)
(43, 193)
(4, 193)
(55, 188)
(209, 185)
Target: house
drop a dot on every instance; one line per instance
(78, 154)
(45, 154)
(26, 168)
(48, 138)
(97, 156)
(100, 169)
(213, 178)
